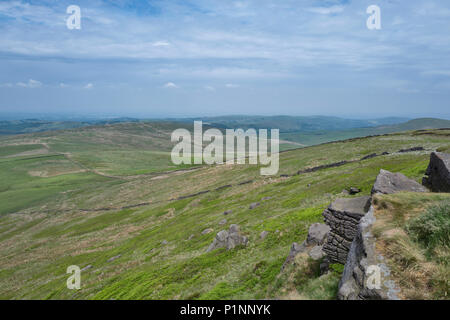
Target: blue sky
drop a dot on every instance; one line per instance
(171, 58)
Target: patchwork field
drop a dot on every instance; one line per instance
(109, 200)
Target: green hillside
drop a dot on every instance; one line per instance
(108, 197)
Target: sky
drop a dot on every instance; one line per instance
(176, 58)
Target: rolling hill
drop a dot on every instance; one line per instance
(98, 197)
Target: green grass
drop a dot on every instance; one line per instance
(64, 220)
(432, 228)
(15, 149)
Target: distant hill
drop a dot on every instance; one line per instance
(294, 123)
(322, 136)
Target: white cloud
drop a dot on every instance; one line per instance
(327, 10)
(30, 84)
(231, 85)
(170, 85)
(89, 86)
(161, 44)
(210, 88)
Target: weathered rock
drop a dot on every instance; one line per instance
(388, 182)
(438, 172)
(263, 235)
(354, 190)
(164, 242)
(206, 231)
(317, 233)
(316, 253)
(254, 205)
(295, 250)
(228, 239)
(343, 216)
(361, 263)
(222, 222)
(227, 212)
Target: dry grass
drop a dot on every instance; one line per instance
(418, 275)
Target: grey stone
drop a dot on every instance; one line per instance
(342, 217)
(354, 190)
(222, 222)
(254, 205)
(228, 239)
(388, 183)
(316, 253)
(227, 212)
(295, 250)
(263, 235)
(361, 256)
(206, 231)
(317, 233)
(438, 173)
(164, 242)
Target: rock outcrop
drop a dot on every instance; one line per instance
(388, 183)
(365, 276)
(438, 172)
(343, 216)
(228, 239)
(317, 235)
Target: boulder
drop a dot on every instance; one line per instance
(263, 235)
(342, 217)
(254, 205)
(316, 253)
(228, 239)
(360, 264)
(438, 172)
(317, 233)
(206, 231)
(388, 182)
(295, 250)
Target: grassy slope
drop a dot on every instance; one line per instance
(38, 245)
(421, 268)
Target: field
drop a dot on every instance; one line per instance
(108, 197)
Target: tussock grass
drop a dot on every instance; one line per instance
(412, 231)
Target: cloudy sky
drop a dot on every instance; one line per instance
(169, 58)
